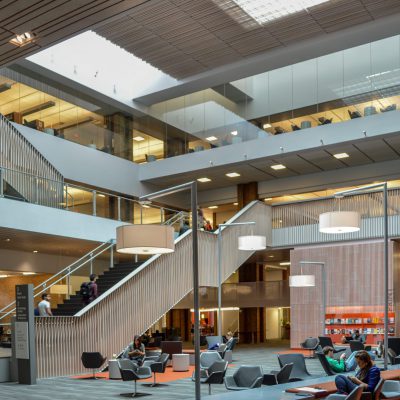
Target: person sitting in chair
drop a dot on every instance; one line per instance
(356, 336)
(135, 351)
(367, 376)
(341, 365)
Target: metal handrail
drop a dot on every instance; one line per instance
(70, 269)
(67, 195)
(65, 272)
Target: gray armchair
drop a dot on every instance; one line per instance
(310, 344)
(157, 367)
(246, 377)
(299, 371)
(208, 358)
(215, 374)
(354, 395)
(390, 390)
(93, 361)
(283, 376)
(132, 374)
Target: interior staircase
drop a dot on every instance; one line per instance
(139, 299)
(105, 281)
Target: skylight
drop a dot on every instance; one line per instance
(268, 10)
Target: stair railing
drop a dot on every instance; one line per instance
(19, 155)
(65, 273)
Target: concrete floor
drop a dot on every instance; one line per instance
(65, 388)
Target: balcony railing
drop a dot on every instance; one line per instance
(297, 223)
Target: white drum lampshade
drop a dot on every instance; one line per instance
(252, 242)
(145, 239)
(339, 222)
(301, 280)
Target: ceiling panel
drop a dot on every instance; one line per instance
(378, 150)
(322, 159)
(227, 29)
(53, 21)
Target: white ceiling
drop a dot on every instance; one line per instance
(363, 152)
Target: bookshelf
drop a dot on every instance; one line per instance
(371, 324)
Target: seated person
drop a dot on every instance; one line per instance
(341, 365)
(135, 351)
(367, 376)
(356, 336)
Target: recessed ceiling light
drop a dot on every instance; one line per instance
(145, 206)
(234, 133)
(35, 251)
(271, 256)
(139, 138)
(341, 155)
(101, 195)
(8, 240)
(278, 166)
(284, 263)
(3, 276)
(212, 207)
(29, 273)
(211, 138)
(264, 11)
(203, 180)
(23, 39)
(268, 199)
(266, 126)
(280, 221)
(235, 204)
(232, 174)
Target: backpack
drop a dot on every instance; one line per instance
(86, 290)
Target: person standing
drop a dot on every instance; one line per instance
(89, 291)
(44, 306)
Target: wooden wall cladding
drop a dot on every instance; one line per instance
(354, 277)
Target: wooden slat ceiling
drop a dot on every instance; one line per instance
(185, 37)
(53, 21)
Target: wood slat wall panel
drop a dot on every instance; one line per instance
(230, 30)
(141, 301)
(354, 273)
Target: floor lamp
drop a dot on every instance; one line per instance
(159, 239)
(309, 280)
(249, 243)
(350, 221)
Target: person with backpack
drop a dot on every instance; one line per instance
(88, 290)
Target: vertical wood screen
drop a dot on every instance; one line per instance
(146, 295)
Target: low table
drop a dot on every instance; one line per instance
(180, 362)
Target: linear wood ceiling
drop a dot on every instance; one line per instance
(52, 21)
(185, 37)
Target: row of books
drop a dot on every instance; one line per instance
(349, 321)
(366, 331)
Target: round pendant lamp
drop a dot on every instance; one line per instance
(145, 239)
(339, 222)
(301, 280)
(252, 242)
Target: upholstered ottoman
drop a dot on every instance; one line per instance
(180, 362)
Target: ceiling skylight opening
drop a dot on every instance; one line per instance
(264, 11)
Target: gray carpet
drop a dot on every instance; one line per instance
(71, 389)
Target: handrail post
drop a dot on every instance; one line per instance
(1, 182)
(91, 263)
(94, 202)
(161, 215)
(112, 256)
(66, 196)
(119, 208)
(68, 283)
(37, 190)
(141, 215)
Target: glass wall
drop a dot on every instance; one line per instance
(354, 83)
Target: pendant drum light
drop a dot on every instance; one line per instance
(301, 280)
(339, 222)
(145, 239)
(252, 243)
